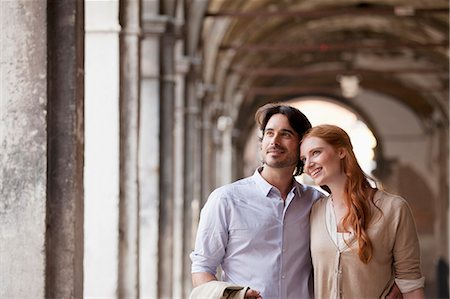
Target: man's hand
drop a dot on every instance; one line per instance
(252, 294)
(394, 293)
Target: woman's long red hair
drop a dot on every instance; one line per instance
(358, 192)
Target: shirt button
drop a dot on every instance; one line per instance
(283, 276)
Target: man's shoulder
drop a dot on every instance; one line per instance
(234, 189)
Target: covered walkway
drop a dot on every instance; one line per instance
(118, 117)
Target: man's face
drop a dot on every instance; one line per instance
(280, 146)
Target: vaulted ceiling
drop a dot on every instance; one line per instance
(259, 50)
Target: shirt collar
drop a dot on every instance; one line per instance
(261, 183)
(265, 187)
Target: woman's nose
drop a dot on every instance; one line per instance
(306, 165)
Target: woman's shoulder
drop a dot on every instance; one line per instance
(320, 202)
(389, 202)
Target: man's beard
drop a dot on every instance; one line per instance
(288, 161)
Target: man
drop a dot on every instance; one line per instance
(257, 229)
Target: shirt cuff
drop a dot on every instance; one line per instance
(408, 285)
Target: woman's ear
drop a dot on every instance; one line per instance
(342, 152)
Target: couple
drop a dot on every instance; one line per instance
(268, 231)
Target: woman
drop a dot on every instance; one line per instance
(363, 240)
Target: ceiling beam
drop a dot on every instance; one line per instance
(329, 47)
(297, 71)
(278, 90)
(289, 90)
(405, 11)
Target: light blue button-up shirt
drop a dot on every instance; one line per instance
(258, 239)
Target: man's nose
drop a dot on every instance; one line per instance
(275, 139)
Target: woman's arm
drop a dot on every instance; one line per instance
(406, 253)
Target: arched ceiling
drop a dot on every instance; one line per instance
(260, 50)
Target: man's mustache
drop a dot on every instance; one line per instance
(275, 147)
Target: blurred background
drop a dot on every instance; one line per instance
(118, 118)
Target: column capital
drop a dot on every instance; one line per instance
(157, 24)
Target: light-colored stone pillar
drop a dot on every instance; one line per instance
(193, 154)
(156, 168)
(41, 121)
(209, 166)
(225, 127)
(129, 145)
(23, 154)
(149, 152)
(101, 178)
(179, 252)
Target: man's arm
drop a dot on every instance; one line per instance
(394, 293)
(201, 278)
(416, 294)
(204, 277)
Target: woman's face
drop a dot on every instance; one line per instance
(322, 161)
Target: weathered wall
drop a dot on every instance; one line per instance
(41, 121)
(23, 137)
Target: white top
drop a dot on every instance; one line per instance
(257, 238)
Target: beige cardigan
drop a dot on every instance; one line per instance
(396, 253)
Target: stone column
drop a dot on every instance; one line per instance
(442, 228)
(41, 121)
(158, 178)
(149, 151)
(129, 19)
(157, 139)
(65, 198)
(225, 127)
(209, 141)
(193, 152)
(179, 251)
(444, 189)
(166, 108)
(101, 175)
(23, 154)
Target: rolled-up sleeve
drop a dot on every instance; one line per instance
(407, 250)
(212, 235)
